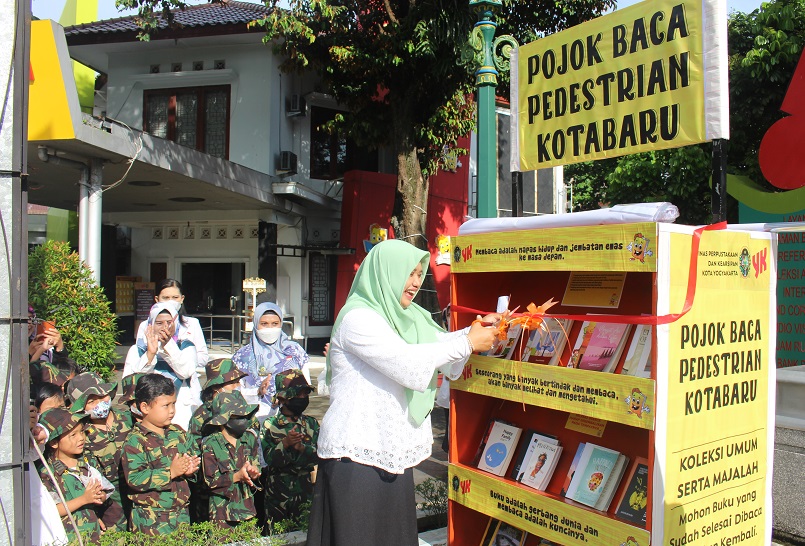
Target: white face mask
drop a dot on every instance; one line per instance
(175, 305)
(268, 335)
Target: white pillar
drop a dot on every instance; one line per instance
(83, 214)
(94, 218)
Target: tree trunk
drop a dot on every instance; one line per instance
(409, 217)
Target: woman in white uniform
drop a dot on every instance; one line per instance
(168, 350)
(170, 291)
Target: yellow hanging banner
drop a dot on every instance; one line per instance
(717, 463)
(647, 77)
(614, 397)
(620, 247)
(539, 514)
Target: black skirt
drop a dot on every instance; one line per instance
(359, 505)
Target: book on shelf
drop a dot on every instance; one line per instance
(594, 468)
(538, 470)
(501, 533)
(506, 348)
(612, 483)
(531, 438)
(499, 447)
(546, 343)
(572, 470)
(598, 346)
(631, 505)
(638, 357)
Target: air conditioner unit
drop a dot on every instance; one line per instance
(287, 163)
(295, 106)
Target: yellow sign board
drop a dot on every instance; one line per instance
(646, 77)
(594, 394)
(719, 372)
(536, 513)
(621, 247)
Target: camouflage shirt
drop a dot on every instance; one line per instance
(104, 448)
(220, 460)
(159, 504)
(70, 482)
(288, 485)
(202, 415)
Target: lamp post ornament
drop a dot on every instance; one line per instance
(255, 285)
(484, 48)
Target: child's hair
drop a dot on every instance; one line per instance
(43, 391)
(66, 365)
(151, 386)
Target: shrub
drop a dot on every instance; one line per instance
(434, 499)
(197, 534)
(61, 289)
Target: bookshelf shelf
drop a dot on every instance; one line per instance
(679, 416)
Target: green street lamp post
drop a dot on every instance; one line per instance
(489, 62)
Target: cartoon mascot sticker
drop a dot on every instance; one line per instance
(638, 248)
(443, 246)
(377, 234)
(636, 403)
(630, 541)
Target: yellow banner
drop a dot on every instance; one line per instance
(51, 103)
(614, 397)
(624, 83)
(719, 364)
(538, 514)
(621, 247)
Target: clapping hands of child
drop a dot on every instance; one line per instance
(93, 493)
(294, 440)
(184, 465)
(248, 473)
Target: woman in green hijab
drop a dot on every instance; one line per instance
(384, 356)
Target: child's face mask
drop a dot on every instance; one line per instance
(297, 405)
(237, 426)
(101, 410)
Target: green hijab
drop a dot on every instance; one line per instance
(378, 286)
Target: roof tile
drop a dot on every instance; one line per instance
(203, 15)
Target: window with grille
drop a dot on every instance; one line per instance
(322, 289)
(196, 117)
(332, 154)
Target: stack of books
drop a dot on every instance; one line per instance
(498, 446)
(537, 461)
(599, 346)
(546, 343)
(499, 532)
(594, 475)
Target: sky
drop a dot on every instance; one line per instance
(51, 9)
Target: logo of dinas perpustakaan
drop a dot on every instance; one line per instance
(457, 254)
(630, 541)
(456, 483)
(744, 262)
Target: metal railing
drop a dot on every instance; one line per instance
(236, 334)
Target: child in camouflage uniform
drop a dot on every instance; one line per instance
(229, 460)
(105, 432)
(126, 405)
(83, 487)
(158, 459)
(222, 376)
(289, 448)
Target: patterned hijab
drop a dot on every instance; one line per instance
(267, 356)
(378, 286)
(162, 367)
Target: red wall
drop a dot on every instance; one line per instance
(369, 199)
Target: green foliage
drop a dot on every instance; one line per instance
(764, 48)
(434, 498)
(61, 289)
(198, 534)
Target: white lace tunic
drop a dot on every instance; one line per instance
(371, 366)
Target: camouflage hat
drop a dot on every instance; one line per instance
(46, 372)
(128, 384)
(290, 383)
(221, 371)
(59, 421)
(87, 384)
(226, 405)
